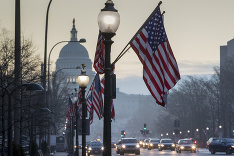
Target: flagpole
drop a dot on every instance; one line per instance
(87, 95)
(123, 52)
(152, 14)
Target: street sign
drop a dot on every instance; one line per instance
(80, 127)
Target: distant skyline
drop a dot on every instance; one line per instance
(195, 28)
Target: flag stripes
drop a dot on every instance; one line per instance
(99, 59)
(112, 103)
(160, 70)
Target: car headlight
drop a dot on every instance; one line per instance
(232, 146)
(140, 142)
(90, 149)
(143, 143)
(162, 145)
(182, 147)
(151, 144)
(123, 146)
(102, 148)
(193, 147)
(173, 145)
(138, 146)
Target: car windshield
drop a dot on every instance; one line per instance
(166, 141)
(154, 140)
(96, 144)
(185, 142)
(230, 140)
(129, 141)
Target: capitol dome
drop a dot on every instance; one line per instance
(74, 49)
(73, 55)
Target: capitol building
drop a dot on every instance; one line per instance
(129, 115)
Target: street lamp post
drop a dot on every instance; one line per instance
(108, 21)
(207, 132)
(48, 74)
(29, 87)
(83, 81)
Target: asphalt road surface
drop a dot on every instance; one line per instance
(155, 152)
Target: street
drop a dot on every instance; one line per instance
(155, 152)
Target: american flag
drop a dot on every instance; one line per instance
(99, 59)
(96, 98)
(160, 70)
(71, 108)
(90, 108)
(79, 102)
(112, 103)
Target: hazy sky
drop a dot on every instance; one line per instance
(195, 28)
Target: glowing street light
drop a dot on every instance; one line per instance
(108, 22)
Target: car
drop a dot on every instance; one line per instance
(117, 146)
(112, 144)
(186, 145)
(128, 145)
(166, 144)
(222, 145)
(153, 143)
(95, 147)
(209, 141)
(141, 143)
(145, 143)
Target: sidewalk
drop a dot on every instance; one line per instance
(61, 154)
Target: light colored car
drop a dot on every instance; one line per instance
(153, 143)
(166, 144)
(186, 145)
(128, 145)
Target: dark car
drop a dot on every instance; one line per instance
(222, 145)
(166, 144)
(128, 145)
(112, 144)
(186, 145)
(209, 141)
(95, 147)
(145, 143)
(153, 143)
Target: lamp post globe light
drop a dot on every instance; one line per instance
(108, 22)
(83, 81)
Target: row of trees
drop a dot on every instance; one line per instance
(35, 116)
(201, 102)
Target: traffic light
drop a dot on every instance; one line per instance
(144, 126)
(141, 131)
(123, 133)
(175, 123)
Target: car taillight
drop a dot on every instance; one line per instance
(195, 142)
